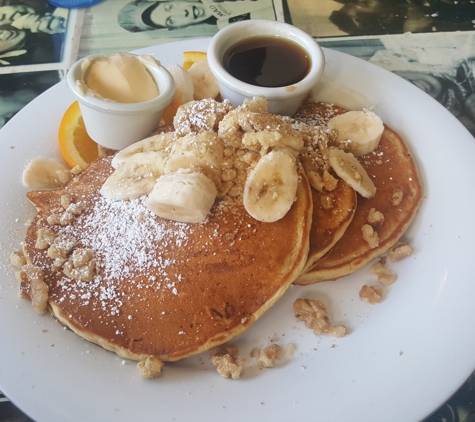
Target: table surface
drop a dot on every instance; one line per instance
(430, 43)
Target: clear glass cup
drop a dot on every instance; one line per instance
(70, 4)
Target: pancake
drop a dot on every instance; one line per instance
(333, 210)
(395, 175)
(163, 288)
(332, 214)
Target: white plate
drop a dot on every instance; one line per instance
(403, 358)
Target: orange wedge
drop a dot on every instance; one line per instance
(76, 146)
(170, 111)
(190, 57)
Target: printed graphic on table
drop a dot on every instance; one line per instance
(332, 18)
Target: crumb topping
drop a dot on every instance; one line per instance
(150, 367)
(269, 355)
(314, 314)
(371, 294)
(399, 251)
(227, 361)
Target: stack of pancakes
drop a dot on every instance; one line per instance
(171, 290)
(337, 247)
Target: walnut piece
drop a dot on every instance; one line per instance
(329, 181)
(65, 217)
(151, 367)
(32, 286)
(371, 294)
(65, 201)
(18, 259)
(227, 361)
(315, 180)
(399, 251)
(270, 353)
(396, 199)
(80, 265)
(62, 245)
(370, 236)
(383, 273)
(78, 169)
(314, 315)
(375, 218)
(44, 238)
(387, 278)
(63, 175)
(255, 352)
(378, 268)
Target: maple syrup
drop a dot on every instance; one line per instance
(267, 62)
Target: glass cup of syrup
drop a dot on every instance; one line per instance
(268, 58)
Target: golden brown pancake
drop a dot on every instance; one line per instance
(394, 173)
(332, 210)
(165, 288)
(332, 214)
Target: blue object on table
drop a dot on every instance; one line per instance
(69, 4)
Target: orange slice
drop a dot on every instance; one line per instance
(76, 146)
(190, 57)
(170, 111)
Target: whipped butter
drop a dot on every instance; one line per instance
(122, 78)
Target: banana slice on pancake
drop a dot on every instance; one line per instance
(348, 168)
(182, 196)
(135, 177)
(362, 129)
(159, 143)
(271, 187)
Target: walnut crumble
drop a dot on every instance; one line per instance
(32, 286)
(370, 236)
(18, 259)
(399, 251)
(371, 294)
(270, 353)
(383, 273)
(151, 367)
(314, 314)
(375, 218)
(227, 362)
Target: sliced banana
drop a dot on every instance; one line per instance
(183, 83)
(134, 178)
(182, 196)
(203, 150)
(271, 187)
(158, 143)
(347, 167)
(44, 173)
(205, 84)
(362, 130)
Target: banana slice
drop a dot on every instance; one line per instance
(182, 196)
(363, 130)
(42, 172)
(348, 168)
(183, 83)
(203, 150)
(205, 84)
(134, 178)
(271, 187)
(157, 143)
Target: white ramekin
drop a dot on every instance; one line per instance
(117, 125)
(283, 100)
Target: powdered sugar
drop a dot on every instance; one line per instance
(127, 240)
